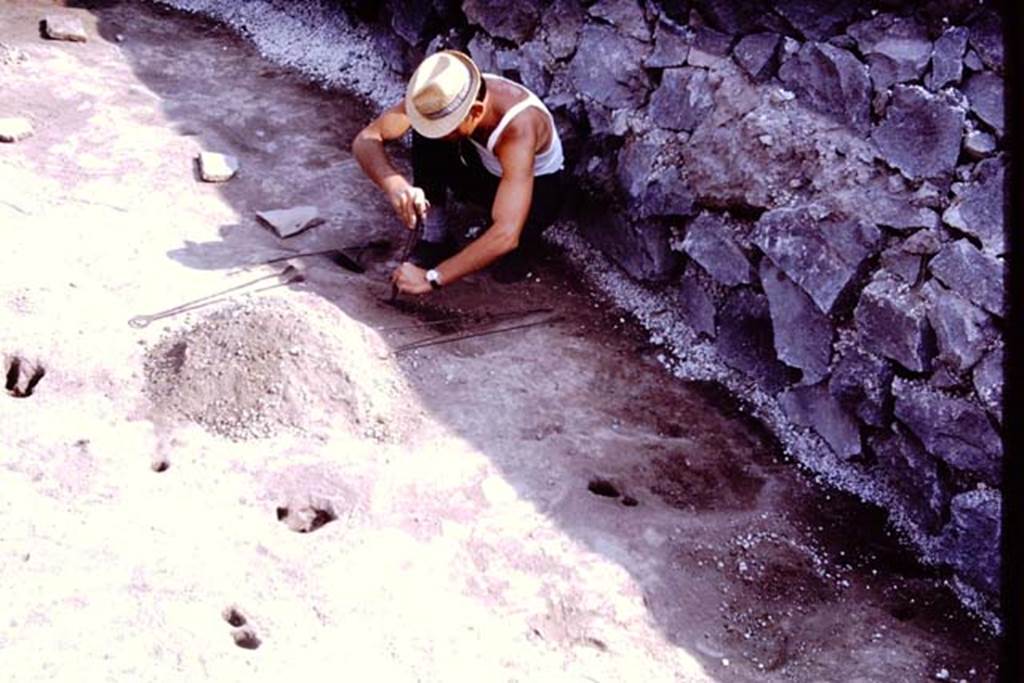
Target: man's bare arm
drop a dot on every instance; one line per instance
(509, 212)
(368, 149)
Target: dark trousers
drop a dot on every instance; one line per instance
(439, 166)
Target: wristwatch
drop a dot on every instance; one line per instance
(434, 278)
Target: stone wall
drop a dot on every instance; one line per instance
(816, 189)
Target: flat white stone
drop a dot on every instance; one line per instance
(287, 222)
(15, 129)
(217, 168)
(64, 27)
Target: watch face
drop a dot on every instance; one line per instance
(434, 278)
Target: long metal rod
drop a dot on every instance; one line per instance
(410, 242)
(434, 341)
(491, 317)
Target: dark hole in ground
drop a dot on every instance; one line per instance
(246, 639)
(234, 617)
(307, 518)
(15, 374)
(630, 501)
(603, 487)
(160, 465)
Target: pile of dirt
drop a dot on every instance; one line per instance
(251, 370)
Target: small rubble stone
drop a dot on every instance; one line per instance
(695, 304)
(979, 144)
(923, 243)
(920, 135)
(972, 539)
(757, 54)
(947, 58)
(745, 342)
(832, 81)
(905, 465)
(683, 99)
(979, 208)
(897, 48)
(976, 276)
(906, 267)
(963, 331)
(607, 67)
(802, 333)
(15, 129)
(708, 242)
(625, 15)
(671, 46)
(64, 27)
(892, 321)
(972, 61)
(988, 382)
(952, 428)
(815, 407)
(861, 382)
(822, 254)
(288, 222)
(985, 93)
(217, 168)
(508, 19)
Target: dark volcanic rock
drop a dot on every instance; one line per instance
(513, 20)
(979, 144)
(608, 67)
(972, 61)
(709, 243)
(745, 339)
(822, 255)
(758, 54)
(832, 81)
(803, 334)
(963, 330)
(671, 46)
(814, 20)
(892, 321)
(988, 382)
(897, 48)
(914, 474)
(987, 39)
(862, 382)
(955, 430)
(730, 16)
(975, 276)
(641, 249)
(695, 303)
(921, 134)
(906, 267)
(625, 15)
(948, 58)
(985, 93)
(972, 538)
(407, 20)
(563, 20)
(980, 207)
(683, 99)
(667, 195)
(815, 407)
(709, 47)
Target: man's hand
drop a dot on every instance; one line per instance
(411, 279)
(408, 202)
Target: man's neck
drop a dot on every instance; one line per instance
(488, 122)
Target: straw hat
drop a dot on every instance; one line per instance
(440, 93)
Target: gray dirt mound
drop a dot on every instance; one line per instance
(249, 371)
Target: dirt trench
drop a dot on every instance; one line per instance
(544, 504)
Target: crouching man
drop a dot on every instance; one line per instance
(488, 140)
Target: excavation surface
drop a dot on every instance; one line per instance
(257, 487)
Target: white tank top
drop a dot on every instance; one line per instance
(547, 162)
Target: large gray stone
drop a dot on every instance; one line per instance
(709, 48)
(897, 48)
(816, 20)
(683, 99)
(671, 45)
(892, 321)
(640, 248)
(956, 430)
(978, 144)
(920, 134)
(608, 67)
(667, 195)
(814, 407)
(563, 21)
(963, 331)
(906, 267)
(513, 20)
(745, 340)
(972, 539)
(862, 382)
(832, 81)
(757, 54)
(822, 254)
(985, 93)
(803, 334)
(988, 382)
(695, 303)
(947, 58)
(624, 15)
(976, 276)
(914, 475)
(980, 207)
(987, 39)
(709, 243)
